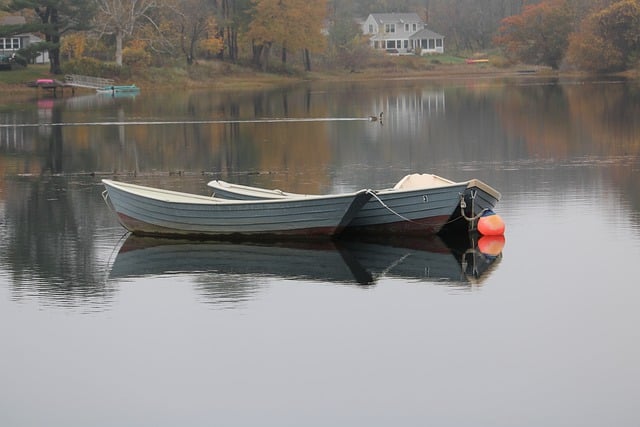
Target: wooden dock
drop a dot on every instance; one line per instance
(71, 81)
(88, 82)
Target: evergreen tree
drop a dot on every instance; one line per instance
(56, 17)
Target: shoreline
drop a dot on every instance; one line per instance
(216, 76)
(232, 77)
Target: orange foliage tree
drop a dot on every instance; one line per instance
(290, 24)
(136, 55)
(213, 44)
(608, 39)
(73, 45)
(539, 35)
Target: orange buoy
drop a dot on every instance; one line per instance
(491, 245)
(491, 225)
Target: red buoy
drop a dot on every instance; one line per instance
(491, 225)
(491, 245)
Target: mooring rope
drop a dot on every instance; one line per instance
(394, 264)
(463, 205)
(373, 193)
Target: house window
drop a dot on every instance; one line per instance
(389, 28)
(406, 44)
(370, 28)
(10, 44)
(391, 44)
(415, 27)
(438, 42)
(406, 27)
(432, 43)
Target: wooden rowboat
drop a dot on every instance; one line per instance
(418, 203)
(157, 212)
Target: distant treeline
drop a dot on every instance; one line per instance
(598, 35)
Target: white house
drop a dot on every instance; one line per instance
(401, 33)
(9, 45)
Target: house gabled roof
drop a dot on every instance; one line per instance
(426, 34)
(390, 18)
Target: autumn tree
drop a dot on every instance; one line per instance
(268, 26)
(120, 18)
(73, 45)
(194, 21)
(609, 39)
(212, 45)
(538, 35)
(232, 17)
(291, 24)
(56, 17)
(310, 16)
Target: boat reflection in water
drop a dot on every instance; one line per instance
(317, 260)
(455, 262)
(230, 270)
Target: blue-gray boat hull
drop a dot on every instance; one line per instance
(149, 211)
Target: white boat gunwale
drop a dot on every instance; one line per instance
(172, 196)
(406, 184)
(411, 182)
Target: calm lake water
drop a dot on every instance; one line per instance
(100, 328)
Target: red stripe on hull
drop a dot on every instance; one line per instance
(425, 226)
(141, 228)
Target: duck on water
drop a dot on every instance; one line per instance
(376, 118)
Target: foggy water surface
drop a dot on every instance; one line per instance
(101, 328)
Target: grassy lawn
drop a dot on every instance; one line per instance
(21, 75)
(446, 59)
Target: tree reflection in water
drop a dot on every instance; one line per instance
(49, 246)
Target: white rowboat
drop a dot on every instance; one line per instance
(157, 212)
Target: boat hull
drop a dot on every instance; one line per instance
(119, 89)
(407, 211)
(154, 212)
(390, 211)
